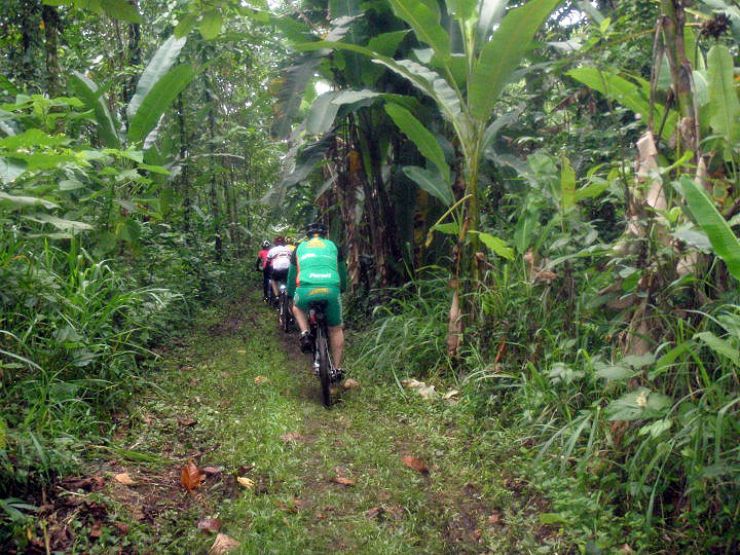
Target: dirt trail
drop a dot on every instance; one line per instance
(381, 473)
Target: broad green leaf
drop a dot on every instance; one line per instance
(425, 23)
(614, 373)
(490, 14)
(210, 26)
(421, 137)
(464, 11)
(88, 92)
(426, 80)
(693, 236)
(495, 244)
(431, 182)
(350, 97)
(385, 44)
(503, 54)
(322, 114)
(665, 362)
(592, 190)
(496, 126)
(185, 25)
(722, 347)
(59, 223)
(567, 186)
(122, 10)
(723, 102)
(10, 170)
(158, 100)
(448, 229)
(163, 59)
(32, 138)
(626, 93)
(640, 404)
(724, 242)
(17, 201)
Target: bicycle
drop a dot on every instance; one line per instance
(321, 353)
(285, 316)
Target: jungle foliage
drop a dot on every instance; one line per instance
(537, 199)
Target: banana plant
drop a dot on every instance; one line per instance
(158, 87)
(465, 85)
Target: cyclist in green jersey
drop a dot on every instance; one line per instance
(318, 273)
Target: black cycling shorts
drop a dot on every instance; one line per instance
(279, 275)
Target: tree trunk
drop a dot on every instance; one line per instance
(187, 206)
(214, 201)
(51, 22)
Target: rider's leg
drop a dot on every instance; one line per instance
(336, 342)
(274, 285)
(300, 318)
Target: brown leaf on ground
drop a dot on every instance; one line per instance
(186, 421)
(97, 530)
(349, 383)
(291, 437)
(125, 479)
(121, 527)
(243, 469)
(245, 482)
(375, 512)
(261, 379)
(190, 476)
(342, 481)
(494, 518)
(223, 544)
(212, 470)
(415, 464)
(209, 525)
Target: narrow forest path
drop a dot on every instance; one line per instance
(236, 398)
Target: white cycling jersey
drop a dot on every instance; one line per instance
(279, 257)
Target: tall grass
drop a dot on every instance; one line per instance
(656, 435)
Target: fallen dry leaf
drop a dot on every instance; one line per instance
(223, 544)
(209, 525)
(426, 391)
(291, 436)
(415, 464)
(495, 518)
(245, 482)
(97, 530)
(342, 481)
(261, 379)
(186, 421)
(374, 513)
(190, 477)
(450, 394)
(212, 470)
(349, 383)
(124, 478)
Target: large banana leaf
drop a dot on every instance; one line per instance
(503, 54)
(322, 113)
(723, 100)
(489, 14)
(626, 93)
(431, 182)
(425, 23)
(88, 93)
(723, 240)
(421, 137)
(162, 61)
(159, 98)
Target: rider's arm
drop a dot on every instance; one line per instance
(292, 273)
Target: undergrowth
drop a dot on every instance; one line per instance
(652, 438)
(76, 334)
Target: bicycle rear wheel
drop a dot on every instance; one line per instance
(322, 346)
(284, 313)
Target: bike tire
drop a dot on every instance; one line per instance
(322, 346)
(285, 314)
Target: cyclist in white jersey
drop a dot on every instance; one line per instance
(278, 257)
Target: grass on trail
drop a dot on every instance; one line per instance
(238, 394)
